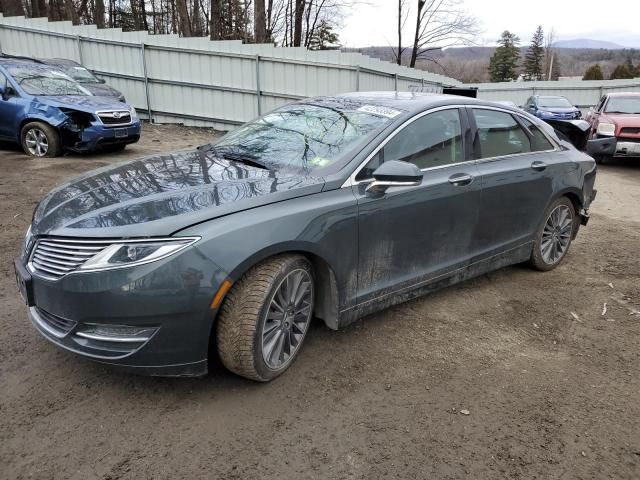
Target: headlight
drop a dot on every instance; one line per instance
(607, 129)
(544, 113)
(134, 114)
(27, 242)
(136, 252)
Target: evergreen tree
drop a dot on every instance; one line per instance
(324, 38)
(503, 64)
(594, 72)
(533, 59)
(621, 71)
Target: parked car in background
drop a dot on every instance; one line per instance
(617, 115)
(549, 107)
(85, 77)
(332, 207)
(49, 113)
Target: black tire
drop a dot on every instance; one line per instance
(239, 329)
(538, 260)
(31, 129)
(602, 159)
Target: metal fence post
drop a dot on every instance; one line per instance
(258, 88)
(395, 81)
(357, 78)
(146, 81)
(79, 45)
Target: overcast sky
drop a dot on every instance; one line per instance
(374, 24)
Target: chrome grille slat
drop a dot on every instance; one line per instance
(56, 257)
(57, 261)
(61, 325)
(46, 253)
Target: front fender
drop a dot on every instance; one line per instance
(323, 226)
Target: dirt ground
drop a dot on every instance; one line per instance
(548, 395)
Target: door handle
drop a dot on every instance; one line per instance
(459, 179)
(538, 166)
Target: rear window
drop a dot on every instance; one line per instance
(499, 134)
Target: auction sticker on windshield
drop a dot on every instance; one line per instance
(378, 110)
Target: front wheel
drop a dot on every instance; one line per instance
(265, 317)
(40, 140)
(554, 235)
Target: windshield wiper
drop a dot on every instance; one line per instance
(225, 153)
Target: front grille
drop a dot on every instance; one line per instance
(630, 130)
(55, 257)
(59, 325)
(122, 117)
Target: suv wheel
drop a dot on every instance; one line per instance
(40, 140)
(265, 317)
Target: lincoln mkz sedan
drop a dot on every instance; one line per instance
(333, 208)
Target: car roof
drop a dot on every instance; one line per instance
(59, 61)
(406, 101)
(9, 61)
(624, 94)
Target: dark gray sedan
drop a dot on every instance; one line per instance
(332, 207)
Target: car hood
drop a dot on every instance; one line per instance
(101, 90)
(621, 119)
(559, 109)
(83, 103)
(159, 195)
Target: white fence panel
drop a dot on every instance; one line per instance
(200, 82)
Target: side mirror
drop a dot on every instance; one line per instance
(602, 147)
(394, 173)
(101, 80)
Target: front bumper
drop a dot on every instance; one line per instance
(168, 301)
(627, 148)
(97, 136)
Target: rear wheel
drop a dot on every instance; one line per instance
(40, 140)
(554, 235)
(265, 317)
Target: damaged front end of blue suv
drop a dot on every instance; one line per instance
(49, 113)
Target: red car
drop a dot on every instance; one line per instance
(618, 115)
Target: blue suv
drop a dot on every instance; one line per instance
(49, 113)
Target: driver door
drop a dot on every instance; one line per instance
(412, 235)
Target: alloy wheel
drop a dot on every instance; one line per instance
(287, 319)
(37, 142)
(556, 234)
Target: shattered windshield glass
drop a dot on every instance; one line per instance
(302, 136)
(41, 81)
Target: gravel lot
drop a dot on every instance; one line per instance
(548, 395)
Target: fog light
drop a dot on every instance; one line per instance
(116, 333)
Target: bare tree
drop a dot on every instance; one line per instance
(403, 16)
(440, 24)
(183, 18)
(11, 8)
(260, 21)
(549, 40)
(99, 13)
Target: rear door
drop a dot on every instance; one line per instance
(516, 166)
(10, 111)
(413, 234)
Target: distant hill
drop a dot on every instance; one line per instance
(471, 64)
(587, 43)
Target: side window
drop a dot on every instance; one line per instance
(499, 134)
(430, 141)
(539, 142)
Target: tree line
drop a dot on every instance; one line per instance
(624, 70)
(295, 23)
(541, 61)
